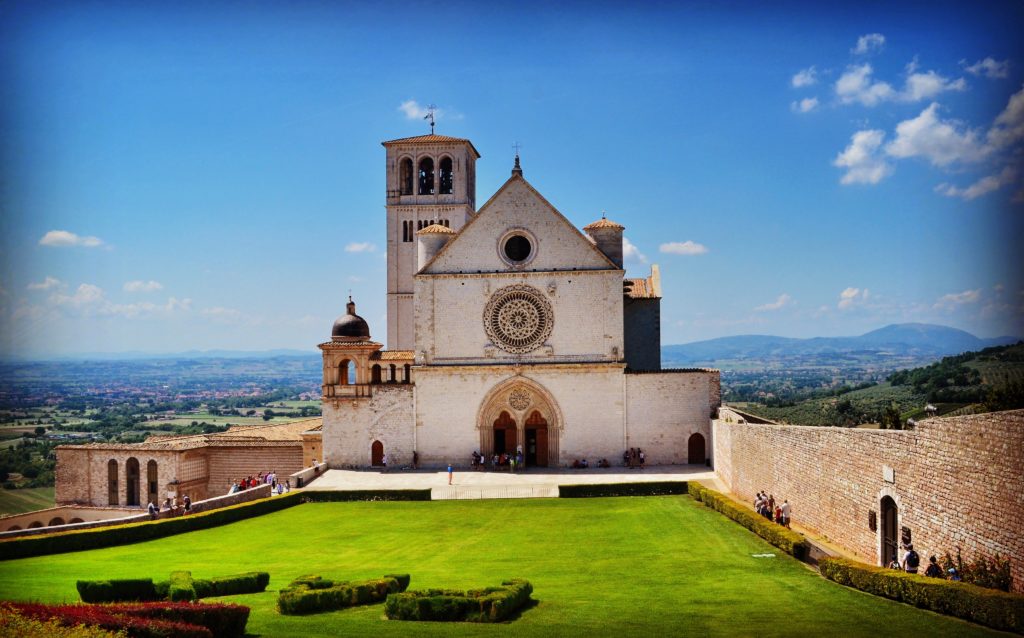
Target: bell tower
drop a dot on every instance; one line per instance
(431, 179)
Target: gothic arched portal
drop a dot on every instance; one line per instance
(520, 415)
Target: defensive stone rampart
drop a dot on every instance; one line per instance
(957, 482)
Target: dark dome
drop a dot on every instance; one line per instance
(350, 324)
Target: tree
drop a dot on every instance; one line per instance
(40, 431)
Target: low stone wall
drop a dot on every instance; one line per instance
(957, 482)
(302, 478)
(117, 515)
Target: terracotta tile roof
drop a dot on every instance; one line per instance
(238, 435)
(394, 355)
(348, 344)
(431, 139)
(603, 223)
(638, 289)
(436, 229)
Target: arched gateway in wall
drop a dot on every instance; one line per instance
(520, 413)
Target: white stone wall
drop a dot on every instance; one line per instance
(587, 310)
(351, 426)
(664, 409)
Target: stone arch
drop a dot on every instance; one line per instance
(75, 520)
(375, 373)
(696, 449)
(14, 528)
(35, 524)
(426, 176)
(405, 176)
(112, 486)
(377, 453)
(56, 520)
(888, 498)
(408, 373)
(132, 480)
(347, 372)
(445, 175)
(152, 483)
(521, 396)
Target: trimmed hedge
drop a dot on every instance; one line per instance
(77, 540)
(782, 537)
(180, 587)
(654, 488)
(110, 591)
(492, 604)
(313, 594)
(365, 495)
(147, 620)
(989, 607)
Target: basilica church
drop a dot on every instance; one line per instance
(509, 329)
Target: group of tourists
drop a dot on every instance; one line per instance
(269, 478)
(512, 462)
(765, 505)
(171, 506)
(633, 458)
(912, 561)
(582, 464)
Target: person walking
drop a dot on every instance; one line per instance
(911, 561)
(449, 474)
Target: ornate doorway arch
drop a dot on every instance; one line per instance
(521, 408)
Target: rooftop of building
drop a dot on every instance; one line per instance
(431, 139)
(236, 435)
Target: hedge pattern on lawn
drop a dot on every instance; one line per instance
(492, 604)
(77, 540)
(147, 620)
(13, 624)
(181, 586)
(784, 538)
(313, 594)
(989, 607)
(654, 488)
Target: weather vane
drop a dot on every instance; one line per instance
(430, 116)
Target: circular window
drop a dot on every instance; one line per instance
(517, 248)
(518, 319)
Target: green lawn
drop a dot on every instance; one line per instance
(25, 500)
(652, 566)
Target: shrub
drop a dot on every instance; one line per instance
(77, 540)
(996, 609)
(492, 604)
(784, 538)
(105, 617)
(181, 587)
(109, 591)
(654, 488)
(247, 583)
(14, 624)
(313, 594)
(221, 619)
(982, 571)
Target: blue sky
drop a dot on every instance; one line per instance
(210, 175)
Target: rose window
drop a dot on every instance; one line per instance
(518, 319)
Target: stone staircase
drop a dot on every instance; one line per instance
(459, 492)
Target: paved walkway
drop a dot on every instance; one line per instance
(533, 483)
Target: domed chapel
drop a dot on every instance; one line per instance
(508, 329)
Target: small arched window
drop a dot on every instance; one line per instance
(375, 373)
(405, 176)
(427, 176)
(446, 175)
(408, 373)
(393, 378)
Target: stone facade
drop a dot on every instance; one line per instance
(519, 340)
(956, 482)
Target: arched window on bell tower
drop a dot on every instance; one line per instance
(426, 176)
(446, 175)
(405, 176)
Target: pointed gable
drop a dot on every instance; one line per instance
(517, 208)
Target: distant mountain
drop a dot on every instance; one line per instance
(898, 339)
(188, 354)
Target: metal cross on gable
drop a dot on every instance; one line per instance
(517, 146)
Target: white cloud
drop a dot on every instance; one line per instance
(631, 253)
(1008, 127)
(360, 247)
(941, 142)
(780, 302)
(133, 310)
(924, 86)
(989, 67)
(805, 77)
(981, 187)
(63, 238)
(862, 160)
(851, 297)
(953, 300)
(85, 295)
(142, 286)
(220, 313)
(683, 248)
(805, 105)
(856, 85)
(46, 284)
(868, 43)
